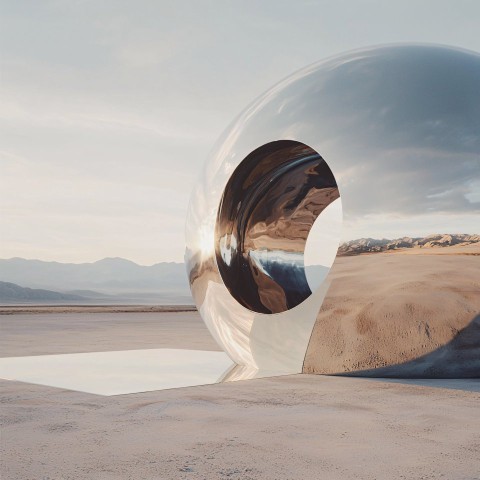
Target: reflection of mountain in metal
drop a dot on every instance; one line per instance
(267, 209)
(399, 127)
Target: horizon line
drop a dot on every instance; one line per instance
(182, 262)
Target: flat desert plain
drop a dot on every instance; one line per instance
(294, 427)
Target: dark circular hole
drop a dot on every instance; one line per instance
(267, 209)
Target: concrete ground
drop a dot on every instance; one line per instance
(295, 427)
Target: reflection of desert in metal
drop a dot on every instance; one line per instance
(267, 210)
(405, 312)
(200, 273)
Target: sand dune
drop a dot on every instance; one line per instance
(389, 309)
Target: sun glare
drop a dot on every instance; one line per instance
(206, 241)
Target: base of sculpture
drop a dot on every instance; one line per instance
(128, 371)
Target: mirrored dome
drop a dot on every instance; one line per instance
(394, 130)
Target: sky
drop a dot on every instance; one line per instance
(109, 109)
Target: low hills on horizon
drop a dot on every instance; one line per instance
(11, 292)
(110, 280)
(372, 245)
(121, 281)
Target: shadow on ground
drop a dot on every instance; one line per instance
(459, 359)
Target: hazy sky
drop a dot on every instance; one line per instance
(109, 108)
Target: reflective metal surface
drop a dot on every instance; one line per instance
(128, 371)
(399, 128)
(267, 209)
(119, 372)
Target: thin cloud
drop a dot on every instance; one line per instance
(110, 108)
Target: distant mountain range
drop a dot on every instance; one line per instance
(120, 281)
(11, 292)
(111, 280)
(371, 245)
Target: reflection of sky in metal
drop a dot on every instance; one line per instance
(228, 245)
(267, 260)
(121, 372)
(128, 371)
(421, 148)
(324, 236)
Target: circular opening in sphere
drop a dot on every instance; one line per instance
(265, 215)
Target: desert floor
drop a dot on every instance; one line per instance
(294, 427)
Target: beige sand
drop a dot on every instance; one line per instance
(297, 427)
(472, 249)
(300, 427)
(45, 334)
(19, 309)
(418, 309)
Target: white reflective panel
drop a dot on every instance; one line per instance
(121, 372)
(322, 244)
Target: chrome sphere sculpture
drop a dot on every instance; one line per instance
(383, 143)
